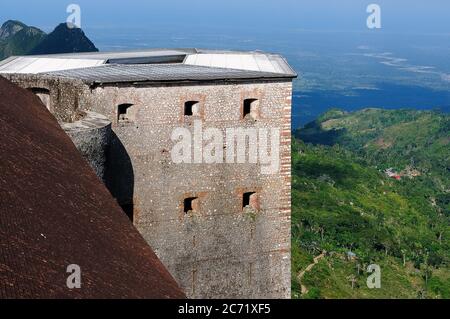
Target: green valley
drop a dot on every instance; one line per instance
(372, 187)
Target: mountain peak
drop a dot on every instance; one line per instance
(65, 40)
(16, 38)
(10, 28)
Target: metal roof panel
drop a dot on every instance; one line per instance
(34, 65)
(114, 73)
(220, 65)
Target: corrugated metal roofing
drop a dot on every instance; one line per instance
(34, 65)
(242, 61)
(161, 72)
(179, 64)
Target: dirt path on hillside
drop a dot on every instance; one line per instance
(308, 269)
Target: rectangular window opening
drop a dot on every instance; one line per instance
(192, 108)
(250, 200)
(124, 113)
(191, 205)
(250, 108)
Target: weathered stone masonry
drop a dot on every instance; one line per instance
(219, 249)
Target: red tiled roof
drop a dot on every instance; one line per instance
(54, 212)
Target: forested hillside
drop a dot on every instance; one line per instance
(372, 187)
(16, 38)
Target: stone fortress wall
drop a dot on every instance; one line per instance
(216, 248)
(89, 131)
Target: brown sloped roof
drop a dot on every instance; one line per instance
(54, 212)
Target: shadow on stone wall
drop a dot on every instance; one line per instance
(119, 175)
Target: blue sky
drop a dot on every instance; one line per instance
(403, 16)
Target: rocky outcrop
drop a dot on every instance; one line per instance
(65, 40)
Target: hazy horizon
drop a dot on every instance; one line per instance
(401, 16)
